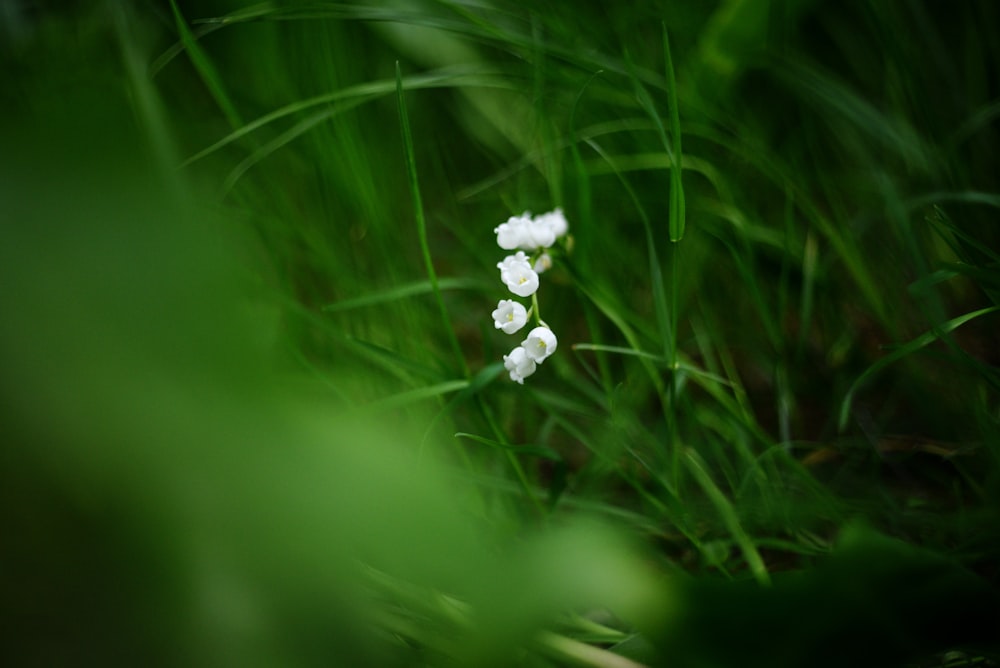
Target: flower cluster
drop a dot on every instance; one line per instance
(531, 237)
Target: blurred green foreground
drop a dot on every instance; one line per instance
(177, 490)
(171, 498)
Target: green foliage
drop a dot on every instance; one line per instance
(253, 403)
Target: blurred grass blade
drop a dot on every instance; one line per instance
(725, 508)
(541, 451)
(612, 313)
(364, 92)
(279, 142)
(206, 70)
(916, 344)
(658, 359)
(149, 108)
(677, 207)
(418, 212)
(484, 377)
(663, 320)
(403, 292)
(413, 396)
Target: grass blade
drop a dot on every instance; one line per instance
(729, 517)
(916, 344)
(206, 70)
(413, 396)
(541, 451)
(677, 213)
(414, 289)
(418, 212)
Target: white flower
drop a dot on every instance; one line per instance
(516, 272)
(543, 263)
(519, 364)
(513, 233)
(509, 262)
(539, 235)
(541, 343)
(554, 221)
(529, 233)
(510, 316)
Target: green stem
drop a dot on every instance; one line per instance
(534, 309)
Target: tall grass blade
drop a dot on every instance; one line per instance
(677, 206)
(727, 512)
(206, 70)
(418, 212)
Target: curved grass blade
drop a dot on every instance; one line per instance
(444, 77)
(541, 451)
(280, 141)
(658, 359)
(413, 396)
(916, 344)
(414, 289)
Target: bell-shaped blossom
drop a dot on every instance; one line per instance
(517, 274)
(529, 233)
(514, 233)
(538, 235)
(510, 316)
(541, 343)
(519, 364)
(554, 222)
(509, 262)
(543, 263)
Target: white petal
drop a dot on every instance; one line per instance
(510, 262)
(543, 263)
(541, 343)
(555, 221)
(521, 279)
(510, 316)
(519, 364)
(513, 233)
(540, 235)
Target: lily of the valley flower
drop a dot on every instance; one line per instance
(530, 233)
(543, 263)
(541, 343)
(511, 234)
(519, 364)
(554, 221)
(510, 316)
(517, 274)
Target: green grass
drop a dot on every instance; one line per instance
(251, 378)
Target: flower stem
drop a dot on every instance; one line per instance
(534, 309)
